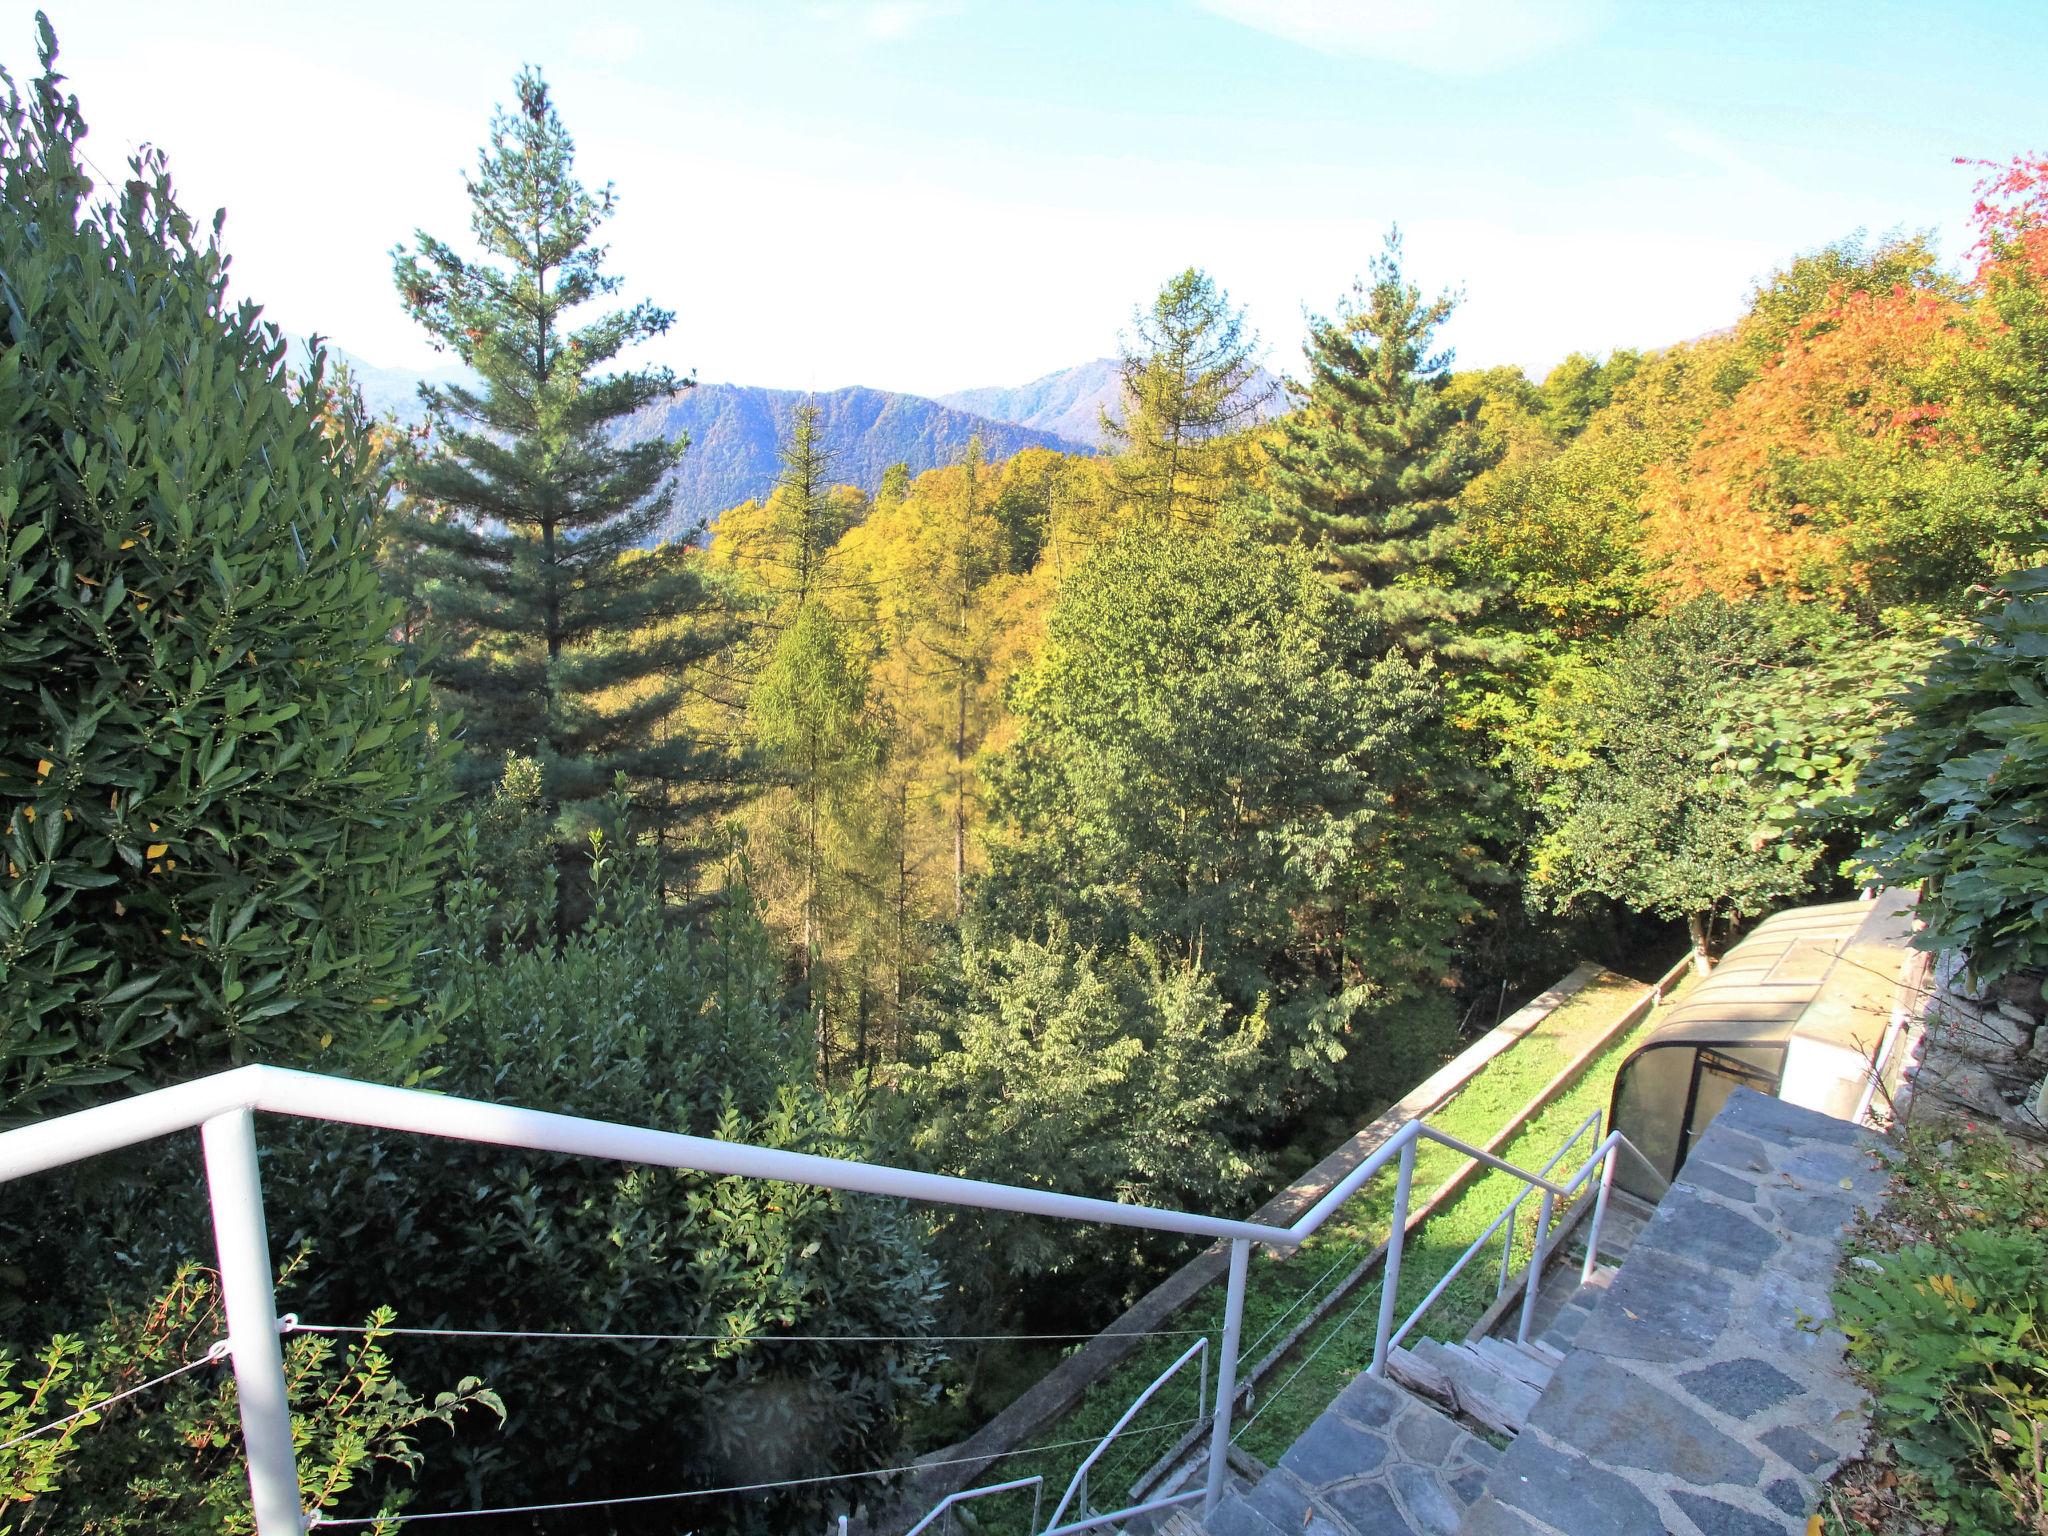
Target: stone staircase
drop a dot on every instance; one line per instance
(1693, 1389)
(1379, 1461)
(1408, 1455)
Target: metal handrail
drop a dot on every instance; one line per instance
(1079, 1481)
(223, 1108)
(1091, 1522)
(1507, 1250)
(312, 1096)
(1505, 1217)
(1036, 1482)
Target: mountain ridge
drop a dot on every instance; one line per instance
(1070, 402)
(736, 430)
(1073, 401)
(736, 433)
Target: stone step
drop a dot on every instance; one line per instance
(1377, 1462)
(1464, 1382)
(1619, 1228)
(1560, 1316)
(1235, 1517)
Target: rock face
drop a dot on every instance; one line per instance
(1982, 1052)
(1706, 1392)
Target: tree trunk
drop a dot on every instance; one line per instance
(960, 798)
(817, 1000)
(1702, 957)
(902, 914)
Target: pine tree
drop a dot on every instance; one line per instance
(1368, 469)
(1191, 381)
(805, 520)
(894, 488)
(529, 515)
(955, 561)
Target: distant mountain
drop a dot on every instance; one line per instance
(1069, 403)
(735, 431)
(385, 391)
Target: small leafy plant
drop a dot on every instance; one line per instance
(1950, 1331)
(168, 1461)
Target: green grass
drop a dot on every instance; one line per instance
(1341, 1345)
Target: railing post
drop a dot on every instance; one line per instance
(246, 1287)
(1390, 1272)
(1507, 1248)
(1537, 1254)
(1226, 1376)
(1599, 1215)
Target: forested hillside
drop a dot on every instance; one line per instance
(1131, 823)
(735, 432)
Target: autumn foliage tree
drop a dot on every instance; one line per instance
(1840, 466)
(2004, 393)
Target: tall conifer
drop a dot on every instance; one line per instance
(1191, 382)
(804, 520)
(1367, 470)
(529, 513)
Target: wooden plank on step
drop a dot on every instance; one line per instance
(1514, 1362)
(1485, 1394)
(1422, 1378)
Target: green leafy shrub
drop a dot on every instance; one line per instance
(168, 1461)
(1204, 762)
(1951, 1333)
(626, 1018)
(218, 790)
(1806, 727)
(1961, 789)
(1043, 1063)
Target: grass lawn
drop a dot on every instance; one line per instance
(1281, 1291)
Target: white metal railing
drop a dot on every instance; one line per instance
(1077, 1486)
(1600, 1157)
(223, 1109)
(944, 1507)
(1507, 1249)
(1506, 1218)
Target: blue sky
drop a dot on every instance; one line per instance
(933, 194)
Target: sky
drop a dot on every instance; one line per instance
(930, 195)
